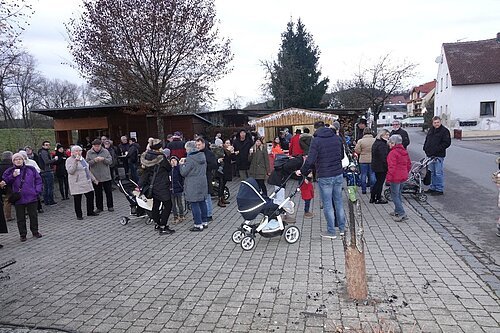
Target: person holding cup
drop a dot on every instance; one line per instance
(80, 181)
(27, 183)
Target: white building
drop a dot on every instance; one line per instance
(467, 91)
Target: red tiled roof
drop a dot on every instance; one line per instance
(476, 62)
(396, 99)
(425, 88)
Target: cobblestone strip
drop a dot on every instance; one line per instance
(487, 270)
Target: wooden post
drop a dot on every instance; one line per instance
(355, 265)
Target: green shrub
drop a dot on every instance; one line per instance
(14, 139)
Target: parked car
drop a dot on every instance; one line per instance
(412, 122)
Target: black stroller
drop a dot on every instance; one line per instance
(417, 178)
(140, 206)
(250, 204)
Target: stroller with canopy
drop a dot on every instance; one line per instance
(418, 176)
(250, 204)
(140, 206)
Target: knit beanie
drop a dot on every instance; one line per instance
(17, 155)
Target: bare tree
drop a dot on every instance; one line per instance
(233, 102)
(373, 85)
(59, 94)
(153, 52)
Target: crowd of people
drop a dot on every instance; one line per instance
(176, 170)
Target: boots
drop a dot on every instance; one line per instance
(221, 203)
(225, 201)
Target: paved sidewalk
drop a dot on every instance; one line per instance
(96, 275)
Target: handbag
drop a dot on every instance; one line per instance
(345, 160)
(148, 189)
(16, 196)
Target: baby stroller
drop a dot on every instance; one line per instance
(250, 204)
(417, 178)
(140, 206)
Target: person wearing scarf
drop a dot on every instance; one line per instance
(80, 182)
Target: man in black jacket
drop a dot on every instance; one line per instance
(396, 129)
(201, 145)
(436, 142)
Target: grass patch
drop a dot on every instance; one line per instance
(14, 139)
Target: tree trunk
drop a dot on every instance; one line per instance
(159, 124)
(355, 267)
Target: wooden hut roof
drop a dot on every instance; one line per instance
(293, 116)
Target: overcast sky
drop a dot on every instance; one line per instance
(348, 34)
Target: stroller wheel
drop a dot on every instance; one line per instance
(227, 194)
(124, 220)
(238, 235)
(149, 221)
(247, 243)
(422, 197)
(387, 194)
(292, 234)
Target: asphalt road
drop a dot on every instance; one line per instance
(470, 200)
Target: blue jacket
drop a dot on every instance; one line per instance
(177, 181)
(326, 153)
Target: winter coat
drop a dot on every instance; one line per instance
(380, 149)
(4, 165)
(398, 164)
(123, 148)
(176, 147)
(404, 136)
(227, 166)
(326, 153)
(259, 164)
(307, 190)
(156, 162)
(211, 166)
(295, 149)
(61, 165)
(133, 153)
(305, 142)
(364, 148)
(32, 186)
(244, 149)
(100, 170)
(114, 156)
(176, 181)
(276, 150)
(45, 160)
(195, 178)
(437, 141)
(79, 176)
(279, 176)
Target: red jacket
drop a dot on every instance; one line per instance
(307, 191)
(295, 149)
(399, 164)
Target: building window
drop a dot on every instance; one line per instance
(441, 85)
(383, 117)
(487, 109)
(446, 80)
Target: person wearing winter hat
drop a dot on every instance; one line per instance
(99, 160)
(155, 181)
(61, 173)
(25, 181)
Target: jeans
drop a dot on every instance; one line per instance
(208, 204)
(199, 210)
(366, 172)
(133, 172)
(21, 218)
(437, 179)
(178, 205)
(99, 200)
(307, 205)
(77, 199)
(397, 198)
(161, 217)
(48, 187)
(330, 189)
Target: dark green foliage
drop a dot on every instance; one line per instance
(295, 75)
